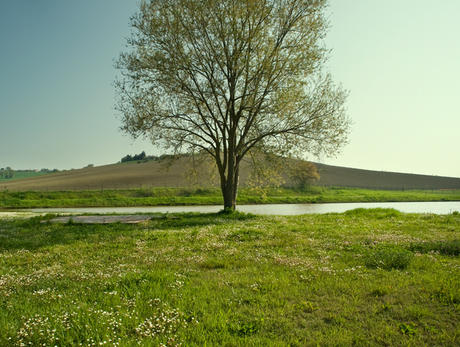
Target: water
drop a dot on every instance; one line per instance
(437, 207)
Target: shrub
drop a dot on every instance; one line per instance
(451, 247)
(388, 257)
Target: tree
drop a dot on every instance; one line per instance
(140, 156)
(126, 158)
(229, 77)
(304, 173)
(7, 173)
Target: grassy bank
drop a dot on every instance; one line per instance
(366, 277)
(210, 196)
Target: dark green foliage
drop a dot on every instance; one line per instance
(447, 247)
(246, 328)
(388, 257)
(407, 329)
(136, 157)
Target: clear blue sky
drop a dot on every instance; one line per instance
(400, 60)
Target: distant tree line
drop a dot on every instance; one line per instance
(9, 173)
(135, 157)
(143, 157)
(44, 170)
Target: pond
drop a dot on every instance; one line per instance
(437, 207)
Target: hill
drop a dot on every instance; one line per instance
(349, 177)
(167, 173)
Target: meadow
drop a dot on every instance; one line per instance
(365, 277)
(212, 196)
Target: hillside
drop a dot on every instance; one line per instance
(177, 174)
(349, 177)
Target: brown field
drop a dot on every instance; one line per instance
(358, 178)
(177, 174)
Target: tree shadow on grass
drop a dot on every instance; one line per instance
(187, 220)
(32, 234)
(35, 233)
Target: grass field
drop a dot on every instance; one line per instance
(210, 196)
(365, 277)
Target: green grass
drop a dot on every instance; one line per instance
(210, 196)
(235, 280)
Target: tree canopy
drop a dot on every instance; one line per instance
(228, 77)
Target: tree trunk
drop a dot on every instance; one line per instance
(230, 188)
(229, 196)
(229, 182)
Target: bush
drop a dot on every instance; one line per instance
(136, 157)
(451, 247)
(388, 257)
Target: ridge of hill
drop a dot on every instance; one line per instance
(169, 173)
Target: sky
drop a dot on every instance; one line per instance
(399, 60)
